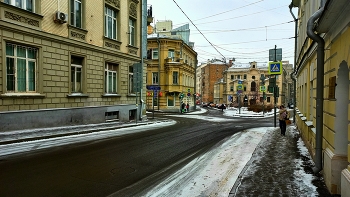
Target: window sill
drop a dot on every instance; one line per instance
(77, 95)
(22, 95)
(111, 95)
(131, 95)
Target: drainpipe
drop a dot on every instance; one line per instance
(158, 71)
(295, 61)
(320, 81)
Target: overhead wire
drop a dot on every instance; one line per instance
(199, 30)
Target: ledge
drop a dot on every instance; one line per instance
(110, 95)
(309, 123)
(303, 118)
(313, 130)
(131, 95)
(300, 115)
(77, 95)
(21, 96)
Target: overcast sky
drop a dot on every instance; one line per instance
(240, 29)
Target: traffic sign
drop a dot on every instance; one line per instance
(275, 54)
(275, 68)
(153, 87)
(240, 81)
(262, 89)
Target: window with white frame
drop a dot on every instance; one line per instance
(111, 77)
(154, 77)
(76, 74)
(154, 53)
(24, 4)
(21, 68)
(131, 80)
(171, 54)
(175, 77)
(110, 23)
(132, 32)
(76, 13)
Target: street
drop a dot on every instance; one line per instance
(120, 166)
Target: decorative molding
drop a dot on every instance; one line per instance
(77, 35)
(111, 45)
(21, 19)
(133, 10)
(133, 51)
(116, 3)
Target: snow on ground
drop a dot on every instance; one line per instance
(214, 173)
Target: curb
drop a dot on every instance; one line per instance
(83, 131)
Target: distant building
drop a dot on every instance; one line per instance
(210, 73)
(243, 83)
(171, 66)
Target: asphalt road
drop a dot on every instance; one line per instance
(119, 166)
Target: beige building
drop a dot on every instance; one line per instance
(323, 88)
(69, 62)
(171, 67)
(243, 83)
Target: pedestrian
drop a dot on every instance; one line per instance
(282, 117)
(187, 108)
(183, 106)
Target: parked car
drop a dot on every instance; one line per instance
(204, 104)
(222, 106)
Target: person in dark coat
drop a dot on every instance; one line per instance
(282, 119)
(187, 108)
(183, 106)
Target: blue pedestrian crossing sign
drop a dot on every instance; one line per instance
(275, 68)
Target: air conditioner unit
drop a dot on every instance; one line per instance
(60, 17)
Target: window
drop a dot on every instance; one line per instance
(175, 77)
(110, 23)
(253, 77)
(245, 76)
(76, 13)
(76, 73)
(111, 77)
(131, 79)
(238, 76)
(131, 32)
(155, 78)
(21, 68)
(154, 53)
(253, 86)
(171, 100)
(231, 88)
(24, 4)
(171, 54)
(232, 77)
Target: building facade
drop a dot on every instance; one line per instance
(210, 74)
(70, 62)
(243, 83)
(323, 88)
(171, 66)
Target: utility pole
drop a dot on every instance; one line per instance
(275, 89)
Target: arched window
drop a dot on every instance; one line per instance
(253, 86)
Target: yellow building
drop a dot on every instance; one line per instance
(171, 66)
(69, 62)
(323, 91)
(243, 83)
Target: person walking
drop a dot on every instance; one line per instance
(183, 106)
(282, 119)
(187, 108)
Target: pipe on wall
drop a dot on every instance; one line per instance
(320, 84)
(295, 61)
